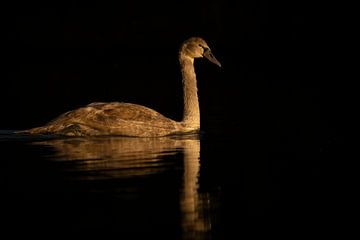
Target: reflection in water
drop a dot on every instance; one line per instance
(192, 203)
(119, 157)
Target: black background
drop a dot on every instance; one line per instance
(63, 55)
(278, 89)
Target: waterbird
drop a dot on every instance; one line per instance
(128, 119)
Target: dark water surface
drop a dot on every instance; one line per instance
(210, 186)
(268, 160)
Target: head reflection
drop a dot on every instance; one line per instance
(123, 157)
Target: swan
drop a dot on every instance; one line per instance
(127, 119)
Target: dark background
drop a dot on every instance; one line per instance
(279, 96)
(63, 55)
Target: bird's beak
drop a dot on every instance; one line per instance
(208, 54)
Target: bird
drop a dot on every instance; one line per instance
(133, 120)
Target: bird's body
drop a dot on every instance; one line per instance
(128, 119)
(114, 118)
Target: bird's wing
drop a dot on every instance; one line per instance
(112, 114)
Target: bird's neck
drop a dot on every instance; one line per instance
(191, 116)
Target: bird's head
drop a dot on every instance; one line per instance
(196, 47)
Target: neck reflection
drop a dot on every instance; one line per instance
(121, 157)
(193, 204)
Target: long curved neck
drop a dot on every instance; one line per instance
(191, 116)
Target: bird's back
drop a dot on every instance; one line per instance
(110, 118)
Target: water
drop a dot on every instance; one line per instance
(207, 186)
(268, 161)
